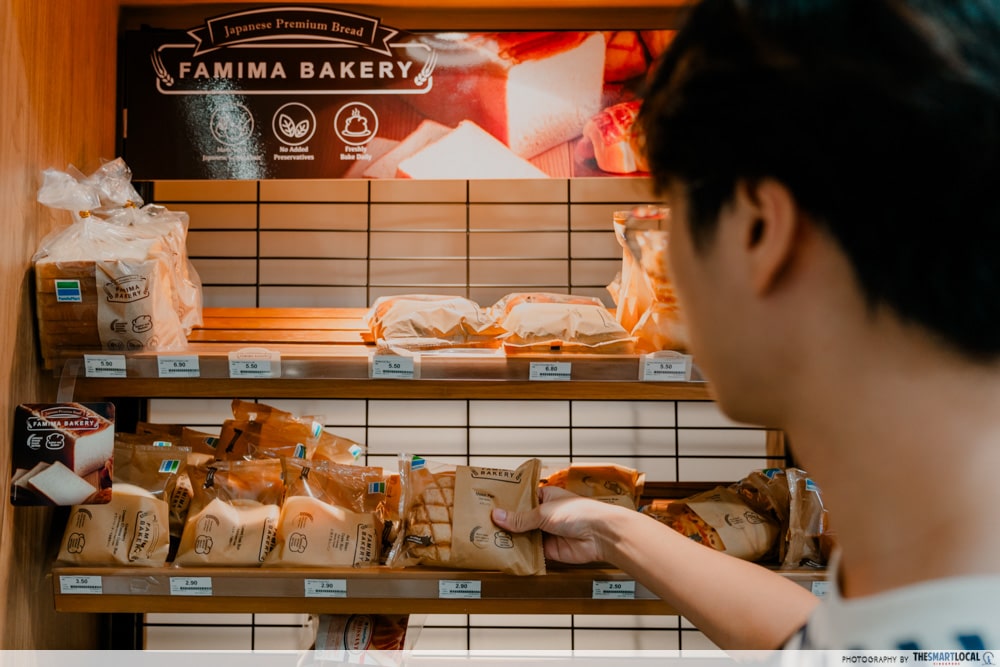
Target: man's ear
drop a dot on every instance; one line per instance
(771, 229)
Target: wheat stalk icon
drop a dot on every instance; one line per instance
(424, 75)
(161, 70)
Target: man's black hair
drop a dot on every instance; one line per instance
(882, 117)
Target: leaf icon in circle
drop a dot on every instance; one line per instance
(287, 125)
(302, 129)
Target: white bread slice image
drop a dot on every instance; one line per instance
(467, 152)
(427, 132)
(61, 485)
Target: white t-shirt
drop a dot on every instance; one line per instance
(952, 613)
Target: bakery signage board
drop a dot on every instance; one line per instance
(317, 92)
(62, 453)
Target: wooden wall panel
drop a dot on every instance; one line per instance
(57, 74)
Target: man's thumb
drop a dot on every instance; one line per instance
(515, 522)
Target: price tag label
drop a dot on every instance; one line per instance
(552, 370)
(178, 367)
(665, 369)
(820, 588)
(254, 363)
(387, 366)
(326, 588)
(104, 365)
(201, 586)
(85, 585)
(614, 590)
(460, 590)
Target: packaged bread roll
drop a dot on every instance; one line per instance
(430, 321)
(719, 518)
(134, 527)
(234, 513)
(447, 517)
(331, 516)
(607, 482)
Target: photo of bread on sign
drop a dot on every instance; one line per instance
(62, 453)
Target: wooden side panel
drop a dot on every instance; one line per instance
(57, 73)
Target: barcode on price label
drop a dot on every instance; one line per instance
(461, 590)
(556, 370)
(104, 365)
(86, 585)
(191, 586)
(326, 588)
(614, 590)
(178, 367)
(387, 366)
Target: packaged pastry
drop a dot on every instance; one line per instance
(719, 518)
(370, 639)
(607, 482)
(258, 430)
(645, 302)
(331, 516)
(807, 522)
(544, 322)
(447, 517)
(134, 527)
(234, 513)
(429, 321)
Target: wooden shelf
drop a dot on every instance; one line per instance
(323, 356)
(372, 590)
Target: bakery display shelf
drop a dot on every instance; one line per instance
(569, 590)
(321, 353)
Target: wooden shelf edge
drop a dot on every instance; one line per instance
(374, 590)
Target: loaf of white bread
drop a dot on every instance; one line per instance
(531, 90)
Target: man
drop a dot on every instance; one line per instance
(832, 169)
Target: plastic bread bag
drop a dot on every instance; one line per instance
(331, 516)
(133, 529)
(807, 519)
(234, 513)
(645, 302)
(446, 517)
(120, 284)
(369, 639)
(566, 327)
(258, 430)
(607, 482)
(720, 519)
(766, 491)
(504, 305)
(428, 321)
(201, 442)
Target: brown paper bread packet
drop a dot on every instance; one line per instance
(447, 517)
(234, 513)
(331, 516)
(608, 482)
(719, 518)
(381, 638)
(134, 528)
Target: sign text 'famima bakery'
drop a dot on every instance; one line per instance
(263, 51)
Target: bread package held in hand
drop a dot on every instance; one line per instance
(331, 516)
(429, 321)
(718, 518)
(233, 517)
(645, 302)
(134, 527)
(608, 482)
(447, 517)
(547, 322)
